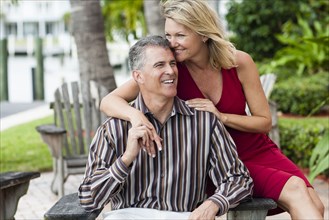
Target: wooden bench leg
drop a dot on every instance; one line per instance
(10, 197)
(53, 137)
(57, 184)
(54, 183)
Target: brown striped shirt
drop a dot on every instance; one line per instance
(195, 144)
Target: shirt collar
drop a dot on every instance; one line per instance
(179, 106)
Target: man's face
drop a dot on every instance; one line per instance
(159, 74)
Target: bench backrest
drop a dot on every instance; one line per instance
(267, 81)
(77, 111)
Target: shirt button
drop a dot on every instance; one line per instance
(162, 175)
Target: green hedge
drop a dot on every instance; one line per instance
(299, 136)
(301, 95)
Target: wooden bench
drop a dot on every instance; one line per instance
(76, 116)
(13, 185)
(68, 208)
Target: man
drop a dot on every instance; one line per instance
(195, 144)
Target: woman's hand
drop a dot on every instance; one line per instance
(206, 105)
(202, 105)
(138, 119)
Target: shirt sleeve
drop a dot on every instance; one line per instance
(228, 173)
(105, 173)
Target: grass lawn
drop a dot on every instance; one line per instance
(21, 148)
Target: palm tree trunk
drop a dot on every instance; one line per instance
(154, 20)
(88, 32)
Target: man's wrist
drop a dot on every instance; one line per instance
(213, 206)
(126, 159)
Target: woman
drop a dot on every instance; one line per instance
(215, 77)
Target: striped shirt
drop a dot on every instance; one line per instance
(195, 144)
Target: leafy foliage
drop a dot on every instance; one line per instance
(299, 136)
(306, 48)
(302, 95)
(123, 19)
(319, 161)
(255, 24)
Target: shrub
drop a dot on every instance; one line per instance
(255, 24)
(305, 50)
(298, 137)
(319, 161)
(301, 96)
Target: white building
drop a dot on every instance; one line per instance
(21, 22)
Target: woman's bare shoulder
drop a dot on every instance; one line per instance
(246, 67)
(243, 59)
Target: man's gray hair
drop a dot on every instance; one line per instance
(137, 51)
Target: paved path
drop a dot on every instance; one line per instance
(17, 113)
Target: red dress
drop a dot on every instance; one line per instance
(268, 167)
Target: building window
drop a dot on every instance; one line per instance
(11, 29)
(30, 28)
(50, 28)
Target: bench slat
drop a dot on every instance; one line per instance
(86, 100)
(77, 114)
(69, 118)
(60, 116)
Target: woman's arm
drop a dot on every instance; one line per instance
(115, 104)
(260, 119)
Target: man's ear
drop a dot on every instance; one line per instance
(138, 76)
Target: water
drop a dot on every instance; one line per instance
(56, 71)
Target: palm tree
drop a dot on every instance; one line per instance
(88, 32)
(124, 19)
(154, 20)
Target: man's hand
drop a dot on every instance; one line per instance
(207, 210)
(139, 119)
(137, 137)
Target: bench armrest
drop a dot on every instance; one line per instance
(50, 129)
(68, 207)
(256, 204)
(256, 208)
(53, 137)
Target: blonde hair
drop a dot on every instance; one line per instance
(200, 18)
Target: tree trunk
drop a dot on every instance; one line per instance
(154, 20)
(88, 32)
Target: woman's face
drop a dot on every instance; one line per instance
(185, 42)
